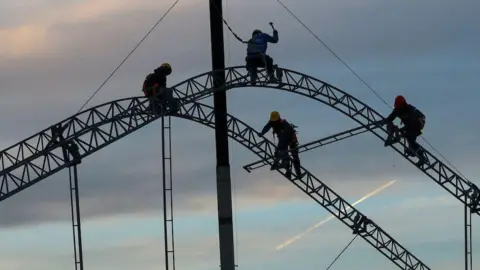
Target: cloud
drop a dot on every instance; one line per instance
(77, 44)
(131, 183)
(256, 243)
(22, 40)
(35, 32)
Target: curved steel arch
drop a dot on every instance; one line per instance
(16, 158)
(106, 129)
(462, 189)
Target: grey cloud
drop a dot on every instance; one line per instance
(371, 31)
(131, 182)
(43, 90)
(111, 37)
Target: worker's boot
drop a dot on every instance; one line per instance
(288, 174)
(278, 73)
(285, 164)
(422, 157)
(409, 152)
(253, 75)
(272, 78)
(298, 169)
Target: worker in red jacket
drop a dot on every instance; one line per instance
(413, 122)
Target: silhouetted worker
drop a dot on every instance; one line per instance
(155, 85)
(413, 122)
(257, 53)
(287, 138)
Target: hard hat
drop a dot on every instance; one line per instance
(256, 31)
(274, 116)
(400, 102)
(167, 68)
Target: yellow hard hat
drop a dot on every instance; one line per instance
(274, 116)
(167, 67)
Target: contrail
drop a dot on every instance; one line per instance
(330, 217)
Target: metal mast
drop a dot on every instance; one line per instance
(224, 189)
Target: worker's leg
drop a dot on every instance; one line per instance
(171, 102)
(296, 158)
(411, 134)
(269, 65)
(393, 136)
(149, 93)
(281, 153)
(250, 62)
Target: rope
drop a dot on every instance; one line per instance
(351, 241)
(128, 56)
(364, 82)
(226, 23)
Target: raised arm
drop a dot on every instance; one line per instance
(271, 39)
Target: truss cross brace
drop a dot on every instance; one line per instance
(318, 143)
(29, 161)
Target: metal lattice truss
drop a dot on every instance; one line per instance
(20, 163)
(111, 122)
(201, 87)
(17, 160)
(316, 144)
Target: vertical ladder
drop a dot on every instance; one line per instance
(76, 222)
(468, 239)
(167, 193)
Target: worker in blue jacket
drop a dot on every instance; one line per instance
(257, 52)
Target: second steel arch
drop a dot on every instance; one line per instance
(95, 133)
(201, 86)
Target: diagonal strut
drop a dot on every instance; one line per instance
(317, 143)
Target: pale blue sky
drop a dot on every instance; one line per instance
(54, 54)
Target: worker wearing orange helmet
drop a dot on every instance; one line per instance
(413, 122)
(287, 138)
(155, 84)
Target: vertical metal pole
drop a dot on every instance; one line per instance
(224, 190)
(169, 191)
(466, 235)
(468, 239)
(167, 195)
(76, 221)
(165, 234)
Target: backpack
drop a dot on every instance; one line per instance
(149, 76)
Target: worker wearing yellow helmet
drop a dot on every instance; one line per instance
(287, 138)
(155, 84)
